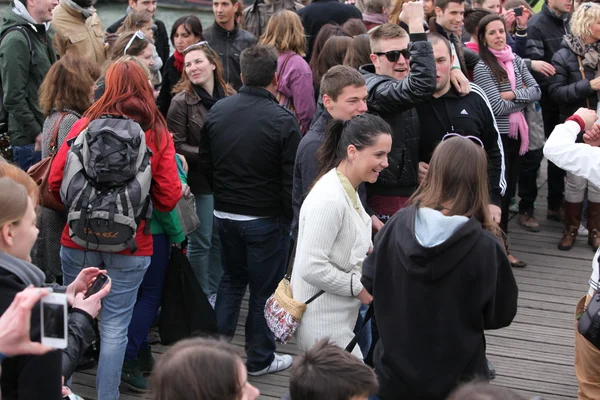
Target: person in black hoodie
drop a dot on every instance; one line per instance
(433, 294)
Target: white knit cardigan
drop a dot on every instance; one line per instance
(333, 241)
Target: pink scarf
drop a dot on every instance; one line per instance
(517, 121)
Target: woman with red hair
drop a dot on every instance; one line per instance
(128, 94)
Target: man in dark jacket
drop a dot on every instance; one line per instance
(248, 148)
(469, 115)
(22, 70)
(545, 32)
(228, 39)
(161, 38)
(321, 12)
(393, 90)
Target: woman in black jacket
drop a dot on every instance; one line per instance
(433, 295)
(575, 85)
(186, 31)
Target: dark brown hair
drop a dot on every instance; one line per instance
(464, 185)
(327, 31)
(358, 52)
(197, 369)
(472, 18)
(333, 53)
(68, 85)
(328, 372)
(354, 27)
(185, 85)
(339, 77)
(483, 391)
(191, 24)
(444, 3)
(485, 55)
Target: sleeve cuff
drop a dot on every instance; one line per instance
(356, 285)
(579, 120)
(418, 37)
(85, 314)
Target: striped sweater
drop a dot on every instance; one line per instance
(527, 91)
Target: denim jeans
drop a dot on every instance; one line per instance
(528, 190)
(26, 156)
(254, 254)
(148, 297)
(365, 339)
(126, 273)
(203, 247)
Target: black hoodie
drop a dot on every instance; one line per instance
(432, 305)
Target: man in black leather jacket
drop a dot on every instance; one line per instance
(228, 39)
(393, 91)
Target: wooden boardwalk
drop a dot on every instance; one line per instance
(533, 356)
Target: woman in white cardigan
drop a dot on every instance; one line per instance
(582, 160)
(334, 233)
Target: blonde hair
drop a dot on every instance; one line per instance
(583, 18)
(396, 10)
(285, 32)
(13, 201)
(21, 177)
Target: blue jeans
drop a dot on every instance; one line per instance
(203, 247)
(364, 340)
(148, 297)
(126, 273)
(254, 254)
(26, 156)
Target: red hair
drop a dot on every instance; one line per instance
(128, 93)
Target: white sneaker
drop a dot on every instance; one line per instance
(582, 230)
(213, 300)
(280, 362)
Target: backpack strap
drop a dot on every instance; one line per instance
(26, 33)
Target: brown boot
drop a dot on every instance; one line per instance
(593, 224)
(572, 219)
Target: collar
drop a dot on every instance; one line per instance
(257, 91)
(450, 94)
(225, 32)
(548, 11)
(28, 273)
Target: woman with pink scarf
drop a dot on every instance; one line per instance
(510, 88)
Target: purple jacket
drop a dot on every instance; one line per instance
(296, 83)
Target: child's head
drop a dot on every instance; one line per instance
(327, 372)
(483, 391)
(201, 369)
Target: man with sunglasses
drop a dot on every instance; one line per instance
(449, 113)
(393, 90)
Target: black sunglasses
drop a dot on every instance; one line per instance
(394, 55)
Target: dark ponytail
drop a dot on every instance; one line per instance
(360, 131)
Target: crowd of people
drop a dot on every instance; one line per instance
(373, 147)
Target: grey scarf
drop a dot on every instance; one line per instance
(85, 12)
(28, 273)
(590, 53)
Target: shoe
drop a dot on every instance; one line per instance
(514, 207)
(528, 222)
(492, 369)
(280, 362)
(555, 215)
(212, 299)
(593, 224)
(572, 219)
(582, 230)
(146, 360)
(517, 263)
(132, 377)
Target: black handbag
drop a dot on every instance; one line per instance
(589, 321)
(185, 310)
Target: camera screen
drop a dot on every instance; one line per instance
(54, 317)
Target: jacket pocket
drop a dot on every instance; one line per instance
(76, 38)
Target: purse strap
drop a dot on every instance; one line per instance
(353, 342)
(55, 130)
(587, 101)
(288, 275)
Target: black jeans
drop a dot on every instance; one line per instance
(254, 255)
(512, 166)
(556, 176)
(528, 190)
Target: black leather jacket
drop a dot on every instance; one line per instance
(229, 45)
(394, 101)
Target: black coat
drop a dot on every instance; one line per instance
(394, 101)
(161, 38)
(567, 87)
(170, 78)
(248, 147)
(229, 45)
(433, 304)
(321, 12)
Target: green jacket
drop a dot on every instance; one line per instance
(21, 81)
(168, 222)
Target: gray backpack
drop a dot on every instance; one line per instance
(106, 185)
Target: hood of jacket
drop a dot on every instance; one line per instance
(20, 16)
(28, 273)
(430, 244)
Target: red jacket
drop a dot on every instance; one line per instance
(165, 190)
